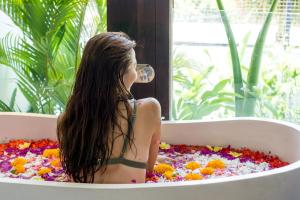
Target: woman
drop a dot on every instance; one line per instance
(105, 136)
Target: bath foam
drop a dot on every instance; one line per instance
(39, 160)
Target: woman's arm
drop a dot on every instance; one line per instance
(155, 139)
(154, 147)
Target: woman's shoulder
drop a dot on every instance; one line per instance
(149, 112)
(150, 107)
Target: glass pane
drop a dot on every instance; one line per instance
(40, 48)
(203, 81)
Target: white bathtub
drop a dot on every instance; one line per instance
(282, 139)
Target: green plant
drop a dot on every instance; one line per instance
(277, 92)
(46, 55)
(246, 98)
(193, 97)
(10, 106)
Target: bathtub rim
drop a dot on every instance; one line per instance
(285, 123)
(291, 167)
(282, 170)
(167, 122)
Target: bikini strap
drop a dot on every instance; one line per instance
(130, 129)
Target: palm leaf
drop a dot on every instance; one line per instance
(13, 98)
(102, 9)
(46, 55)
(4, 107)
(9, 108)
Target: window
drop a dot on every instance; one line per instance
(201, 63)
(185, 41)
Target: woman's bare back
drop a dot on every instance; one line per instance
(146, 134)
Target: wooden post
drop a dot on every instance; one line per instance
(148, 23)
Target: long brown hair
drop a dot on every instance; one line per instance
(92, 109)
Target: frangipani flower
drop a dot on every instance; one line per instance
(24, 145)
(38, 178)
(234, 154)
(39, 160)
(164, 145)
(215, 149)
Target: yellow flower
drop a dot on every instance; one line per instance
(48, 153)
(19, 168)
(24, 145)
(38, 178)
(207, 171)
(55, 163)
(193, 177)
(192, 165)
(215, 149)
(19, 161)
(169, 175)
(235, 154)
(164, 145)
(162, 168)
(44, 170)
(216, 164)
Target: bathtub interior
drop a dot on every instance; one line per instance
(269, 136)
(282, 139)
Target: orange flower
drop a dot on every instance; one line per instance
(193, 177)
(192, 165)
(44, 170)
(19, 169)
(216, 164)
(2, 148)
(169, 175)
(207, 171)
(15, 143)
(48, 153)
(19, 161)
(162, 168)
(43, 143)
(55, 163)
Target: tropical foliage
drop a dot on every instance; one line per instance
(277, 93)
(194, 97)
(245, 100)
(45, 56)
